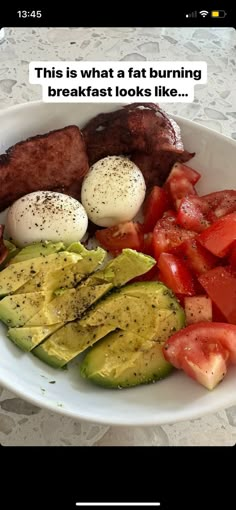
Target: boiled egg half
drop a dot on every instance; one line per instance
(113, 191)
(46, 216)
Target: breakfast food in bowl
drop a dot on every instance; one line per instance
(46, 215)
(113, 191)
(144, 132)
(150, 297)
(56, 161)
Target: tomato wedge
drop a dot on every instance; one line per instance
(197, 213)
(124, 235)
(180, 170)
(175, 274)
(220, 285)
(219, 237)
(154, 206)
(221, 203)
(178, 188)
(200, 351)
(180, 183)
(192, 214)
(167, 235)
(198, 259)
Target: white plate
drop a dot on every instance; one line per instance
(174, 399)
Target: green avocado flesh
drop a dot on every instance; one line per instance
(72, 303)
(67, 276)
(123, 359)
(37, 250)
(141, 315)
(15, 276)
(16, 310)
(58, 303)
(26, 338)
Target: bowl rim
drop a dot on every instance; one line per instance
(87, 418)
(45, 402)
(28, 104)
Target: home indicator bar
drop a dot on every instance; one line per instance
(80, 504)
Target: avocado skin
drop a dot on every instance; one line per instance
(123, 361)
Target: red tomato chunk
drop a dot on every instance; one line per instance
(200, 351)
(155, 205)
(175, 274)
(221, 203)
(198, 259)
(220, 285)
(124, 235)
(179, 188)
(180, 183)
(219, 237)
(179, 170)
(167, 235)
(192, 214)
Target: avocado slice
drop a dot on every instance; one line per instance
(37, 250)
(18, 309)
(30, 336)
(77, 247)
(123, 359)
(14, 276)
(70, 305)
(66, 276)
(73, 303)
(148, 310)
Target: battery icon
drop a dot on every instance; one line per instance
(218, 14)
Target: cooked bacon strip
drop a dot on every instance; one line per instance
(54, 161)
(3, 249)
(143, 132)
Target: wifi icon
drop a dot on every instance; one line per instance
(204, 13)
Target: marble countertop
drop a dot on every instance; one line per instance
(214, 106)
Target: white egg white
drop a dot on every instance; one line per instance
(46, 216)
(113, 191)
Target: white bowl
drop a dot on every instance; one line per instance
(175, 399)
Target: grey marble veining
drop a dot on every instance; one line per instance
(214, 106)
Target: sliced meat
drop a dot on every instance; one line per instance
(55, 161)
(3, 249)
(141, 131)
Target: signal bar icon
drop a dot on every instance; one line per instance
(191, 15)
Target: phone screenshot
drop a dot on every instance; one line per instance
(118, 229)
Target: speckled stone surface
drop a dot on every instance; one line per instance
(214, 106)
